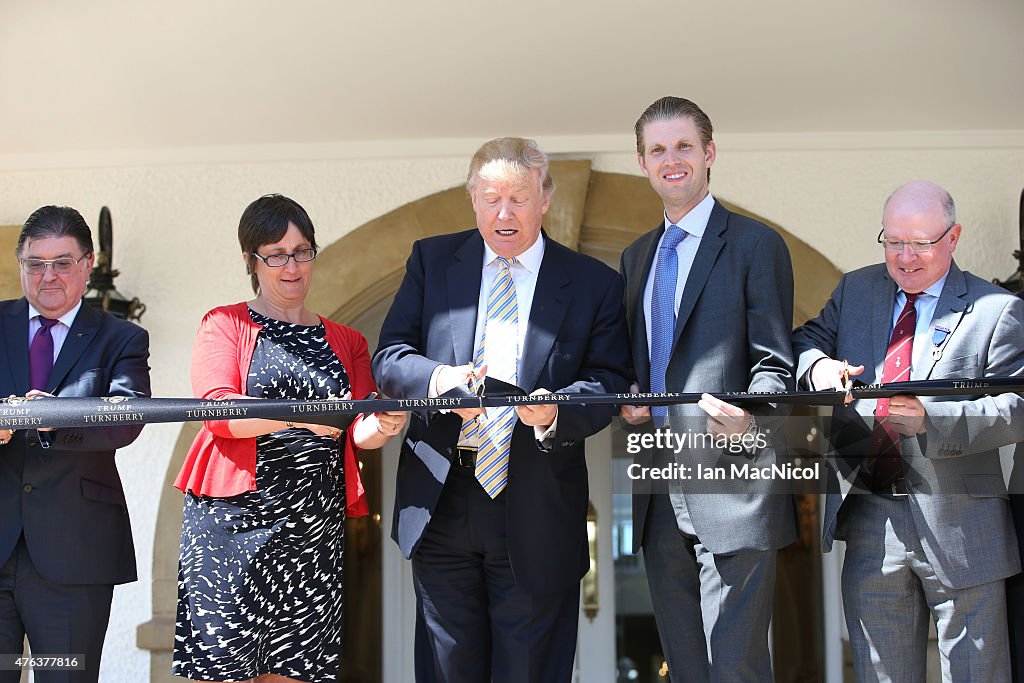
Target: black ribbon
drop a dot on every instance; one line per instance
(56, 413)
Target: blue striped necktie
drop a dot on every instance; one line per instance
(663, 314)
(499, 347)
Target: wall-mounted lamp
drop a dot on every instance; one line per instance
(591, 601)
(101, 293)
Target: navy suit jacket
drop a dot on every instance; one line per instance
(61, 488)
(576, 343)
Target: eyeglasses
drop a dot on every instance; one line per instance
(278, 260)
(917, 246)
(61, 266)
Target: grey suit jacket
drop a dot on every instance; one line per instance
(732, 333)
(957, 492)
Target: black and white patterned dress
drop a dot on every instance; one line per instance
(260, 577)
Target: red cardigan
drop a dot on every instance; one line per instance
(221, 465)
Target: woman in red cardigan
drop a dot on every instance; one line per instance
(262, 540)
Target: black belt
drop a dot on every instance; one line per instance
(465, 457)
(896, 489)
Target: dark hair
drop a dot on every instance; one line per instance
(55, 221)
(265, 221)
(674, 108)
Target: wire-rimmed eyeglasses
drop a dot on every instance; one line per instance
(61, 266)
(917, 246)
(279, 260)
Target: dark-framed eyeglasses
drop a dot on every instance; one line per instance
(917, 246)
(279, 260)
(61, 266)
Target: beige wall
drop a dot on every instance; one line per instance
(174, 228)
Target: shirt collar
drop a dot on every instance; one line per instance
(696, 219)
(66, 319)
(529, 259)
(934, 290)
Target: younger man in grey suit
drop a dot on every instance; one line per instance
(933, 533)
(709, 303)
(65, 539)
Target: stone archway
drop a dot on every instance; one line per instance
(10, 283)
(594, 212)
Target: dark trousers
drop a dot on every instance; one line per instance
(475, 623)
(1015, 594)
(59, 619)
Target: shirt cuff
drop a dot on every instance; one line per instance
(432, 391)
(545, 435)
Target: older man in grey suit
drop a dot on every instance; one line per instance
(934, 532)
(709, 302)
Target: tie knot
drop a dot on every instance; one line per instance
(505, 263)
(673, 236)
(911, 298)
(47, 323)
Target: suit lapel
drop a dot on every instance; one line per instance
(464, 277)
(80, 336)
(637, 285)
(949, 311)
(550, 302)
(15, 340)
(703, 261)
(883, 300)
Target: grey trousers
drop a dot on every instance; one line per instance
(712, 611)
(889, 590)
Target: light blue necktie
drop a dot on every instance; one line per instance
(663, 314)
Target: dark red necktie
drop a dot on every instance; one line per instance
(885, 466)
(40, 355)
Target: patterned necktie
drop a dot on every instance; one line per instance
(886, 466)
(663, 314)
(499, 347)
(40, 355)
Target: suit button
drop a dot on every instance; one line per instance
(27, 488)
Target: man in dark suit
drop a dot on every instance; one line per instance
(709, 302)
(931, 534)
(492, 508)
(65, 538)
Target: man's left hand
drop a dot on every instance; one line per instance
(906, 414)
(538, 416)
(724, 419)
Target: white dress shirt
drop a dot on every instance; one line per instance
(524, 277)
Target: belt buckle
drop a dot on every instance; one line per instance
(899, 488)
(465, 457)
